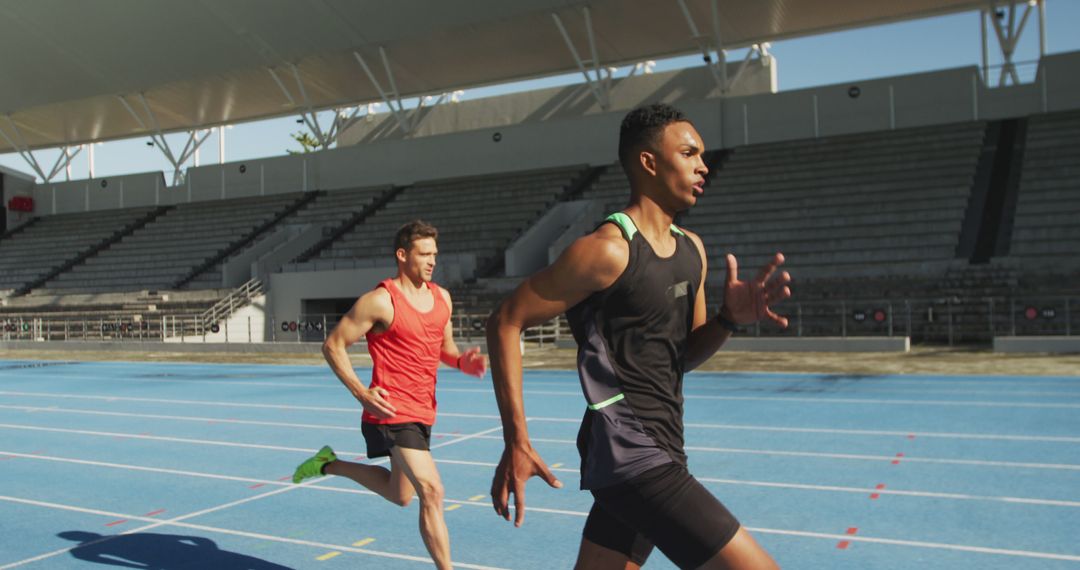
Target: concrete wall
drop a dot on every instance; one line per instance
(1037, 344)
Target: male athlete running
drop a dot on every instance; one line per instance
(406, 320)
(634, 293)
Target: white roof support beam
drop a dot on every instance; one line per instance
(195, 137)
(599, 83)
(394, 101)
(1008, 35)
(307, 114)
(761, 50)
(718, 67)
(717, 64)
(19, 143)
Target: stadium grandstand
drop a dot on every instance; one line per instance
(930, 206)
(936, 209)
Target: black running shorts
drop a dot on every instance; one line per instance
(381, 437)
(665, 507)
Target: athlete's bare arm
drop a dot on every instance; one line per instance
(471, 361)
(744, 303)
(373, 310)
(590, 264)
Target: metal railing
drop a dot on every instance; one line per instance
(223, 309)
(948, 320)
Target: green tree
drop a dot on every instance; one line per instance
(307, 143)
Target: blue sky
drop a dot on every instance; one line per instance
(879, 51)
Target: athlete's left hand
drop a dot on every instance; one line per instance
(748, 302)
(473, 363)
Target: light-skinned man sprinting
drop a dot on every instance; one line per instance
(634, 294)
(406, 320)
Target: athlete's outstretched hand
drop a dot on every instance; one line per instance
(748, 302)
(376, 402)
(517, 466)
(473, 363)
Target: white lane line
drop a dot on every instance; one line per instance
(825, 400)
(872, 386)
(353, 411)
(485, 436)
(213, 529)
(906, 459)
(919, 544)
(890, 433)
(739, 482)
(577, 394)
(199, 419)
(225, 506)
(796, 486)
(148, 437)
(898, 492)
(315, 485)
(762, 530)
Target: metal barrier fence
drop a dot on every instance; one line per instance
(933, 320)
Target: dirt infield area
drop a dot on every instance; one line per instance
(921, 360)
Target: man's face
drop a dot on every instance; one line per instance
(680, 169)
(418, 262)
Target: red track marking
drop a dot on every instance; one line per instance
(154, 513)
(285, 478)
(358, 458)
(256, 486)
(114, 523)
(880, 486)
(874, 495)
(897, 461)
(843, 544)
(911, 436)
(853, 530)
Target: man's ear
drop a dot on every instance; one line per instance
(648, 162)
(401, 255)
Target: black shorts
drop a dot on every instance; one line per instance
(381, 437)
(665, 507)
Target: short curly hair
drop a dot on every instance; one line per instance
(642, 127)
(412, 231)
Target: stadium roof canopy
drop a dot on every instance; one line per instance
(76, 72)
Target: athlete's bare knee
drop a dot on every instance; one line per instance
(431, 492)
(742, 552)
(403, 498)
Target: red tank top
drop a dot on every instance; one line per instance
(405, 357)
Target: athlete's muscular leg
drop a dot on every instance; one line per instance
(592, 556)
(741, 553)
(391, 484)
(419, 467)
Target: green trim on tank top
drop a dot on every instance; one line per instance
(606, 402)
(626, 224)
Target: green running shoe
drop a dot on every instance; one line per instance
(313, 466)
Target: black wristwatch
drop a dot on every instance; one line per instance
(727, 324)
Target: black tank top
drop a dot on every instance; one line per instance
(631, 344)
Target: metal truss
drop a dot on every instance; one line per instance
(343, 118)
(1007, 29)
(406, 121)
(16, 140)
(597, 78)
(195, 137)
(708, 44)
